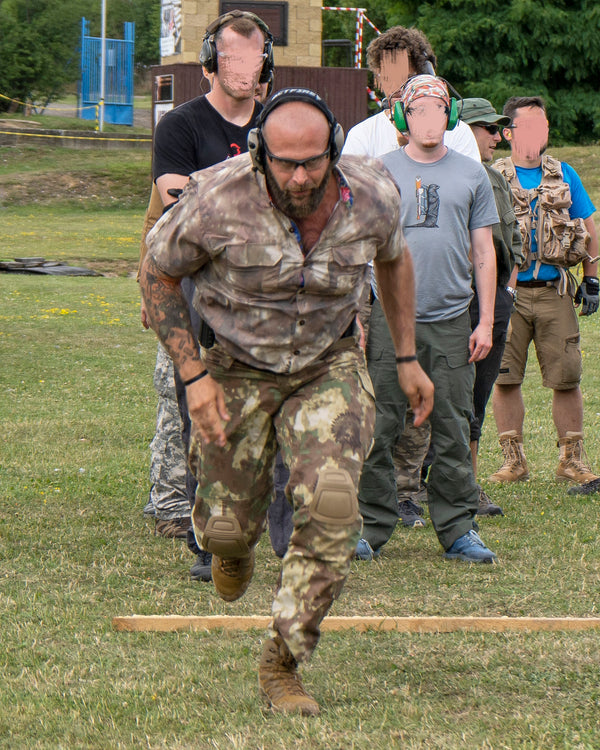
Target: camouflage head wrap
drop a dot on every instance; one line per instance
(424, 85)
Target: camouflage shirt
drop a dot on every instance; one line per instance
(269, 305)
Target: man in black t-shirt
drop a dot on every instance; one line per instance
(237, 57)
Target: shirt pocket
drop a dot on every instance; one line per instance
(253, 268)
(509, 217)
(346, 267)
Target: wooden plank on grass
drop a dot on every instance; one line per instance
(169, 623)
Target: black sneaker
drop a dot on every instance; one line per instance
(201, 569)
(411, 514)
(586, 489)
(487, 507)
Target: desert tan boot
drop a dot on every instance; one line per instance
(514, 468)
(280, 683)
(573, 462)
(232, 575)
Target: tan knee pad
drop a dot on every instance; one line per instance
(223, 537)
(335, 498)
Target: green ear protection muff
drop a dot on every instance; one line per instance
(400, 118)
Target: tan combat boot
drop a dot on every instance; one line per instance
(232, 576)
(574, 463)
(514, 468)
(280, 683)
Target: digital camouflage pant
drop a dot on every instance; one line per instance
(408, 455)
(321, 420)
(168, 459)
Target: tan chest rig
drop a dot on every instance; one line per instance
(561, 241)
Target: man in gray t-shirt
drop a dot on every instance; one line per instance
(442, 203)
(448, 209)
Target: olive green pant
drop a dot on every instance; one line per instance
(442, 349)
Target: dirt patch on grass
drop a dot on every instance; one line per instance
(67, 188)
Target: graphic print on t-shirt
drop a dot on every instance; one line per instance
(428, 204)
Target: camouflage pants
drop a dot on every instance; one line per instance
(408, 455)
(168, 460)
(320, 419)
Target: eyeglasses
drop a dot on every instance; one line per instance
(291, 165)
(491, 129)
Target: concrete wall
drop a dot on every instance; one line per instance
(304, 32)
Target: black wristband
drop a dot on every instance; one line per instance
(402, 360)
(195, 378)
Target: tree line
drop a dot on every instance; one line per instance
(40, 42)
(484, 48)
(490, 49)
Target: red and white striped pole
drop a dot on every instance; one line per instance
(361, 17)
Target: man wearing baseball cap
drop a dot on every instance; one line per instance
(485, 123)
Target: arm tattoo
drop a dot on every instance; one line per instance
(167, 311)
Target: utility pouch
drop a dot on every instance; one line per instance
(561, 241)
(564, 241)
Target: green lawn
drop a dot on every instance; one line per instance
(77, 416)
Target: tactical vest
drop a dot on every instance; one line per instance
(561, 241)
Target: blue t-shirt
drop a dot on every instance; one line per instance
(581, 208)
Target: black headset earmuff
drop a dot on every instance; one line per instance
(255, 139)
(208, 53)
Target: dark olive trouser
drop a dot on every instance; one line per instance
(442, 349)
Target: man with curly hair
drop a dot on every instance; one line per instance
(393, 57)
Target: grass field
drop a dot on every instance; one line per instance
(62, 115)
(77, 417)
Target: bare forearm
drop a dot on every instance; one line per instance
(396, 290)
(590, 268)
(485, 283)
(484, 269)
(168, 315)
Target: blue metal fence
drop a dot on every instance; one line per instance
(118, 84)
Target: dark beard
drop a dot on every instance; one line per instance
(282, 198)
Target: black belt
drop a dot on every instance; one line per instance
(534, 284)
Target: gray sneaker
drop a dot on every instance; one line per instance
(586, 489)
(487, 507)
(201, 569)
(411, 514)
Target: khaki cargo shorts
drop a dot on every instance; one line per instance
(550, 321)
